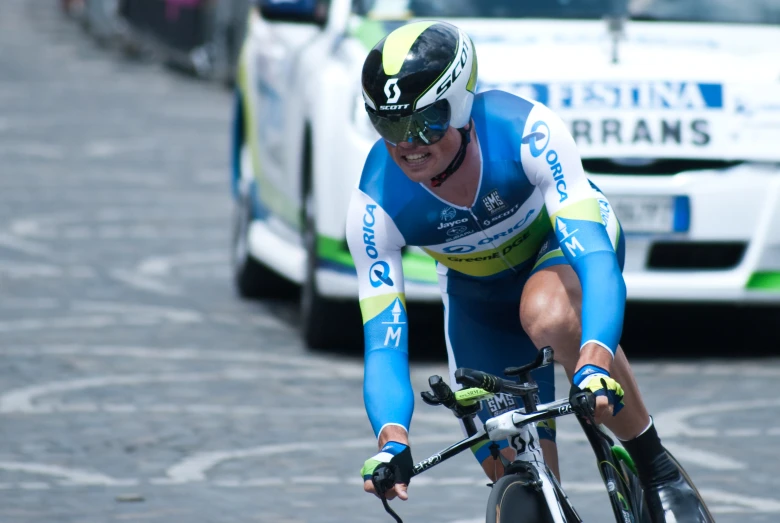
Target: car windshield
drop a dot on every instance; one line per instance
(721, 11)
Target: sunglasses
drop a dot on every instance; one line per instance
(425, 127)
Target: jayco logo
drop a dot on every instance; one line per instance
(392, 91)
(445, 225)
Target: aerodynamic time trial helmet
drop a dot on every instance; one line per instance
(419, 80)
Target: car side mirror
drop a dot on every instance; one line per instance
(296, 11)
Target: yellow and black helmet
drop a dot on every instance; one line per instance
(419, 80)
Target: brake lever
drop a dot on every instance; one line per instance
(383, 480)
(584, 404)
(586, 408)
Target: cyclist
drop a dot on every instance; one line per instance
(529, 253)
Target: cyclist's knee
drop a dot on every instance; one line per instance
(550, 318)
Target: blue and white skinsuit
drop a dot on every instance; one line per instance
(534, 208)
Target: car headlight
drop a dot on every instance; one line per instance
(360, 119)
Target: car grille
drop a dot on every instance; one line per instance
(652, 167)
(696, 255)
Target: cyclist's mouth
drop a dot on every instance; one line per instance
(416, 159)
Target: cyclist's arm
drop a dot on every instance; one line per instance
(551, 161)
(375, 244)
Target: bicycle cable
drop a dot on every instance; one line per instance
(390, 510)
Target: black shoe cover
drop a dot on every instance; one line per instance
(671, 496)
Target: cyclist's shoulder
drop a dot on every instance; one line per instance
(502, 119)
(497, 106)
(501, 108)
(384, 182)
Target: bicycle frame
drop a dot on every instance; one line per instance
(513, 422)
(561, 508)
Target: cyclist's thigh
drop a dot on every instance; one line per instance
(485, 334)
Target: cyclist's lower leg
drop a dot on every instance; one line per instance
(550, 312)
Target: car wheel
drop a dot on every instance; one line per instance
(325, 323)
(252, 279)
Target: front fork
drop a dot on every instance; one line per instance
(609, 457)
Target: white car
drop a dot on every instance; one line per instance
(675, 106)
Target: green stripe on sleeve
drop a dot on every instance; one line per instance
(371, 307)
(583, 210)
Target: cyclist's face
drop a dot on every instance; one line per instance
(422, 162)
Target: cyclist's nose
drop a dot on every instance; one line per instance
(409, 146)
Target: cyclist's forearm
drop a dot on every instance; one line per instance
(603, 300)
(387, 389)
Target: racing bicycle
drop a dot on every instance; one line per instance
(528, 492)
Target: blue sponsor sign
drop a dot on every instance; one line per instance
(620, 95)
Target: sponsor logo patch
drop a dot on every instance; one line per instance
(493, 202)
(379, 274)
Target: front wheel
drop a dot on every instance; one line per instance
(513, 501)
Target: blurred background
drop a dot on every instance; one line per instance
(181, 335)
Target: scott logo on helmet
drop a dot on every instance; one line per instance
(392, 91)
(456, 70)
(393, 107)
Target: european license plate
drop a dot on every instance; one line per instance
(651, 214)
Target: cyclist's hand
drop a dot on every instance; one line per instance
(396, 456)
(608, 392)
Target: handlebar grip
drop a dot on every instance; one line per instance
(476, 378)
(584, 402)
(442, 391)
(383, 479)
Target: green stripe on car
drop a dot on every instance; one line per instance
(419, 267)
(369, 32)
(334, 250)
(766, 281)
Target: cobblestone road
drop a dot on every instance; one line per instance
(135, 386)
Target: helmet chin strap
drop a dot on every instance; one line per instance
(465, 139)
